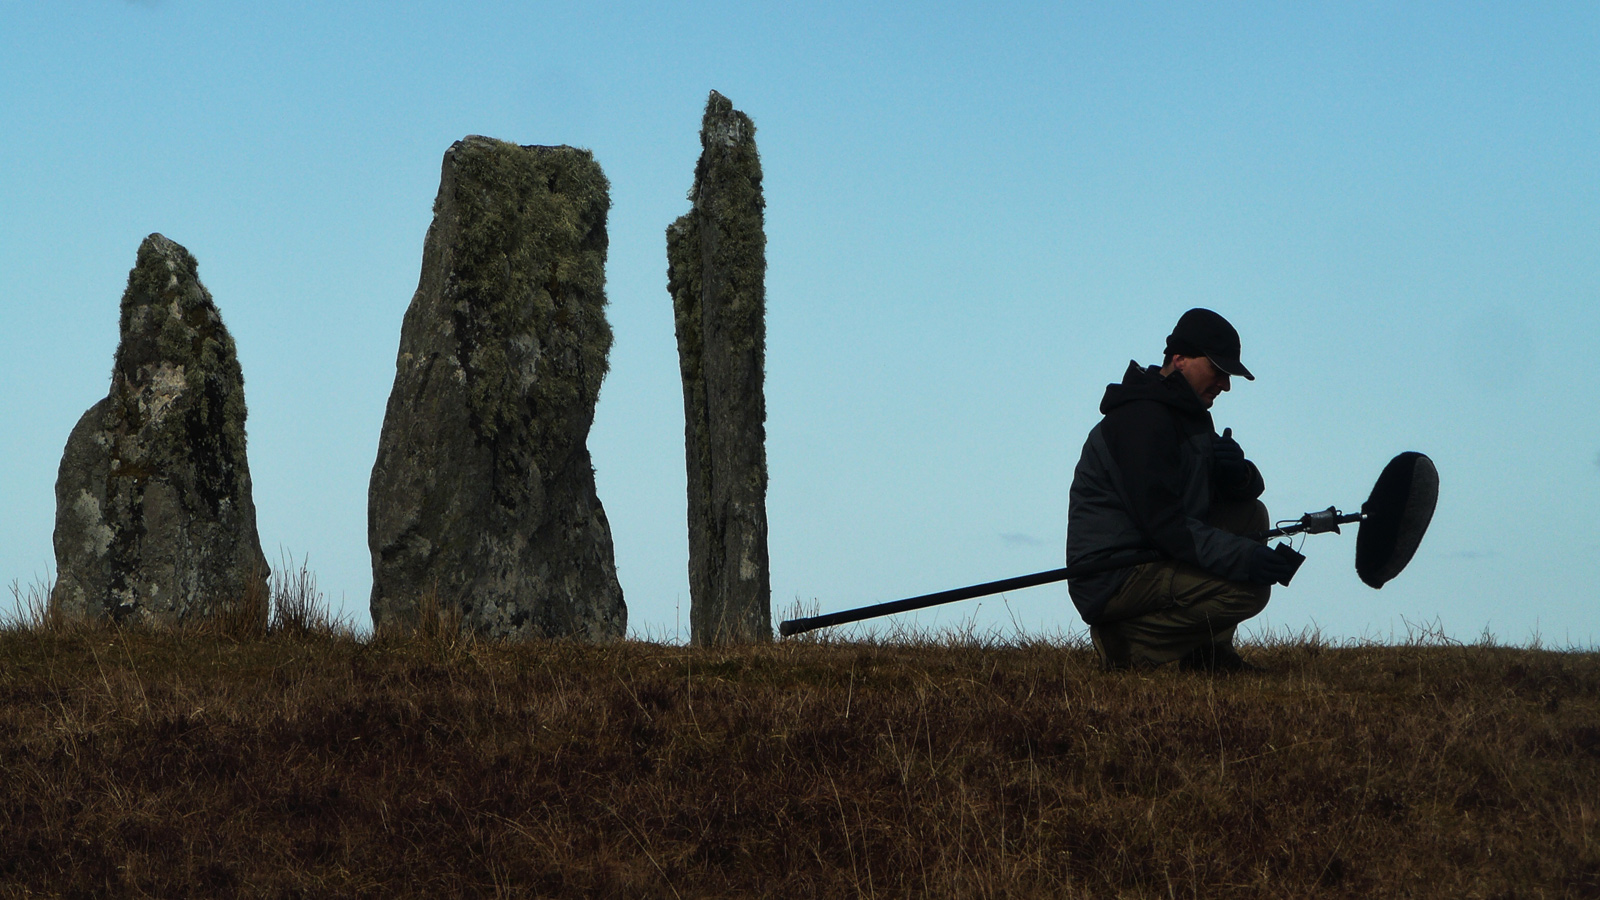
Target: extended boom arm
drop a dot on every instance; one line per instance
(1395, 517)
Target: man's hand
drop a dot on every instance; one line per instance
(1228, 463)
(1267, 566)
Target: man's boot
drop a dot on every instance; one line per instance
(1112, 647)
(1209, 657)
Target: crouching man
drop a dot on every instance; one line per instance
(1154, 475)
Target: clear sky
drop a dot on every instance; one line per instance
(976, 215)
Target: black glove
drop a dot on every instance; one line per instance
(1229, 466)
(1267, 566)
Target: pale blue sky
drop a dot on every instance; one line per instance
(977, 214)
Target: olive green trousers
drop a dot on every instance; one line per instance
(1166, 609)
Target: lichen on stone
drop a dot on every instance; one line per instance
(529, 261)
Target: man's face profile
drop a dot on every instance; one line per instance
(1207, 380)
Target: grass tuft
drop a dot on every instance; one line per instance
(298, 607)
(31, 609)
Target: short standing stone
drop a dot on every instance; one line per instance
(716, 273)
(154, 517)
(482, 501)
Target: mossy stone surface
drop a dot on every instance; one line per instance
(155, 521)
(716, 274)
(482, 501)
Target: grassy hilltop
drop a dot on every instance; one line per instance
(305, 762)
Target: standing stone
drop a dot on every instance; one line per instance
(155, 522)
(482, 502)
(716, 273)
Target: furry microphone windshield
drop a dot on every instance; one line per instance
(1395, 517)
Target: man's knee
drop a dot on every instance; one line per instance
(1236, 600)
(1248, 600)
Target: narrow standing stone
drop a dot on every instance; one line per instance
(155, 522)
(482, 501)
(716, 273)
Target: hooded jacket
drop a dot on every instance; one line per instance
(1145, 481)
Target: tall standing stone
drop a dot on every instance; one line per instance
(716, 273)
(482, 499)
(154, 517)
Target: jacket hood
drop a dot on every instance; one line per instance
(1147, 383)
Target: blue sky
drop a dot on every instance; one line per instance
(977, 214)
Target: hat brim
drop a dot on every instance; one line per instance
(1231, 366)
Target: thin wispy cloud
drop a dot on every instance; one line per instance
(1013, 539)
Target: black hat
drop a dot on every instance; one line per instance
(1201, 332)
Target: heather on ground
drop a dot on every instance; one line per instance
(302, 761)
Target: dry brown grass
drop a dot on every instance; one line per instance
(306, 762)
